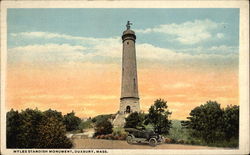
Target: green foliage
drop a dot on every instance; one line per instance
(179, 135)
(86, 124)
(213, 124)
(52, 134)
(135, 120)
(158, 117)
(36, 129)
(13, 128)
(231, 122)
(177, 132)
(29, 124)
(71, 121)
(54, 113)
(119, 131)
(103, 127)
(206, 122)
(101, 118)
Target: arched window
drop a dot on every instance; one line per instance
(128, 109)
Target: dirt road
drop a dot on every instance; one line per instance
(118, 144)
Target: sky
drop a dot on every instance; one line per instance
(70, 59)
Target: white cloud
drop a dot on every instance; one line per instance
(105, 49)
(86, 48)
(45, 96)
(69, 53)
(150, 52)
(46, 53)
(176, 104)
(178, 85)
(85, 40)
(102, 97)
(188, 32)
(63, 48)
(224, 48)
(219, 50)
(220, 35)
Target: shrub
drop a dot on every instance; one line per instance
(85, 124)
(209, 121)
(102, 136)
(103, 127)
(177, 131)
(52, 134)
(173, 141)
(180, 141)
(36, 129)
(167, 140)
(71, 121)
(212, 124)
(134, 120)
(119, 133)
(100, 118)
(121, 138)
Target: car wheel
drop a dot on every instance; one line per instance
(129, 139)
(152, 141)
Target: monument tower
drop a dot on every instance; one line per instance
(129, 101)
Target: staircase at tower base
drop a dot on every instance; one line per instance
(119, 120)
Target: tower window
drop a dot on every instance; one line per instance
(128, 109)
(134, 83)
(127, 43)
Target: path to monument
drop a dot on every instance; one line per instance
(118, 144)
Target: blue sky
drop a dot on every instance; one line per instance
(104, 23)
(183, 31)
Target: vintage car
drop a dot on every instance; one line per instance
(143, 136)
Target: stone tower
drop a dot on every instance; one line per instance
(129, 101)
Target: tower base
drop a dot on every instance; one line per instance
(129, 105)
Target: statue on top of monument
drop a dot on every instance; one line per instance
(128, 25)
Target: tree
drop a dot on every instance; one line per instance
(103, 127)
(53, 113)
(29, 124)
(52, 134)
(135, 120)
(206, 122)
(158, 117)
(71, 121)
(231, 122)
(35, 129)
(12, 128)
